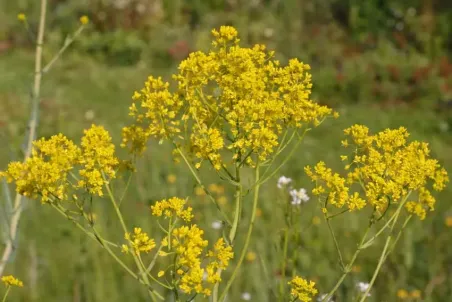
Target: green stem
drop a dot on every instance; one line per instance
(336, 244)
(248, 236)
(142, 269)
(6, 293)
(198, 180)
(348, 267)
(386, 249)
(283, 265)
(238, 206)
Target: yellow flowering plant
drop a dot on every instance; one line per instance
(232, 108)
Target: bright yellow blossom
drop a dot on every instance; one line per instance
(21, 17)
(84, 20)
(230, 99)
(11, 281)
(98, 160)
(172, 207)
(139, 241)
(302, 289)
(387, 167)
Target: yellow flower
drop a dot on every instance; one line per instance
(45, 173)
(302, 289)
(388, 167)
(171, 207)
(84, 20)
(222, 200)
(21, 17)
(161, 274)
(98, 160)
(11, 281)
(139, 241)
(199, 191)
(416, 294)
(171, 178)
(250, 256)
(448, 221)
(230, 103)
(402, 294)
(316, 220)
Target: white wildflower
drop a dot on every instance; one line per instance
(283, 181)
(362, 287)
(246, 296)
(216, 225)
(298, 196)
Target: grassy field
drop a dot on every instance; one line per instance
(58, 263)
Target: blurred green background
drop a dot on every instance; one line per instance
(381, 63)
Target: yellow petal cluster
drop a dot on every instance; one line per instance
(384, 168)
(302, 290)
(11, 281)
(172, 207)
(188, 244)
(98, 159)
(46, 173)
(232, 99)
(139, 241)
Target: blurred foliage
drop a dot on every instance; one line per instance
(382, 63)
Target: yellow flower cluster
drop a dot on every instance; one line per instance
(172, 207)
(188, 244)
(11, 281)
(139, 241)
(302, 289)
(45, 173)
(386, 167)
(97, 158)
(231, 98)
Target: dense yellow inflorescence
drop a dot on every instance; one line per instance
(47, 173)
(231, 98)
(139, 241)
(385, 168)
(12, 281)
(302, 289)
(172, 207)
(197, 270)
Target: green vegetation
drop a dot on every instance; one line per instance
(370, 74)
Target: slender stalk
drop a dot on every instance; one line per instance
(248, 236)
(283, 265)
(198, 180)
(141, 268)
(238, 206)
(17, 210)
(348, 267)
(336, 244)
(8, 288)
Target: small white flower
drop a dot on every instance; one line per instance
(217, 225)
(246, 296)
(298, 196)
(363, 286)
(282, 181)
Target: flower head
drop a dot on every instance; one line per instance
(11, 281)
(172, 207)
(298, 196)
(231, 103)
(363, 287)
(388, 167)
(302, 289)
(84, 20)
(139, 241)
(21, 17)
(283, 181)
